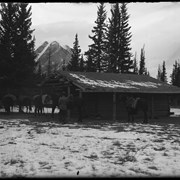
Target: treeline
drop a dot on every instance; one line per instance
(174, 76)
(17, 45)
(110, 50)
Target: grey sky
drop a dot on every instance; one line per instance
(156, 25)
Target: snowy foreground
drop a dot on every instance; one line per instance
(51, 149)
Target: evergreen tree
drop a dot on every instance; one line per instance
(159, 73)
(142, 69)
(81, 64)
(24, 51)
(113, 39)
(164, 74)
(90, 66)
(135, 71)
(175, 76)
(16, 43)
(8, 13)
(74, 63)
(119, 39)
(125, 62)
(98, 48)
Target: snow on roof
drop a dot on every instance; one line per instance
(101, 83)
(92, 81)
(113, 82)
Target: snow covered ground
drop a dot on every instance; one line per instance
(33, 148)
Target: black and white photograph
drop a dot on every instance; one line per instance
(89, 89)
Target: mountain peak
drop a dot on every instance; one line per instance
(54, 43)
(53, 52)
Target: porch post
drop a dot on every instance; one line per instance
(114, 106)
(152, 106)
(68, 112)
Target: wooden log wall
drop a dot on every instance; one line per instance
(98, 105)
(161, 105)
(101, 104)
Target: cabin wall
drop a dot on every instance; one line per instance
(161, 105)
(105, 105)
(100, 105)
(121, 112)
(158, 106)
(121, 108)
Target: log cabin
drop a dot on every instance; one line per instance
(100, 92)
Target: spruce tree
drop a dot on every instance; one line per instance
(90, 65)
(119, 39)
(142, 69)
(24, 52)
(175, 76)
(98, 48)
(135, 69)
(113, 39)
(125, 62)
(74, 63)
(164, 74)
(174, 72)
(159, 72)
(81, 64)
(8, 13)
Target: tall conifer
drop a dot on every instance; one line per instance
(135, 69)
(125, 62)
(98, 48)
(90, 65)
(119, 39)
(24, 53)
(81, 64)
(8, 13)
(113, 38)
(75, 58)
(175, 76)
(142, 68)
(17, 51)
(164, 73)
(159, 72)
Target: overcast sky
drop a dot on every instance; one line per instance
(157, 25)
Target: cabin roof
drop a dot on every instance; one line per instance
(116, 82)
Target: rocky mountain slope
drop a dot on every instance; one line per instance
(55, 53)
